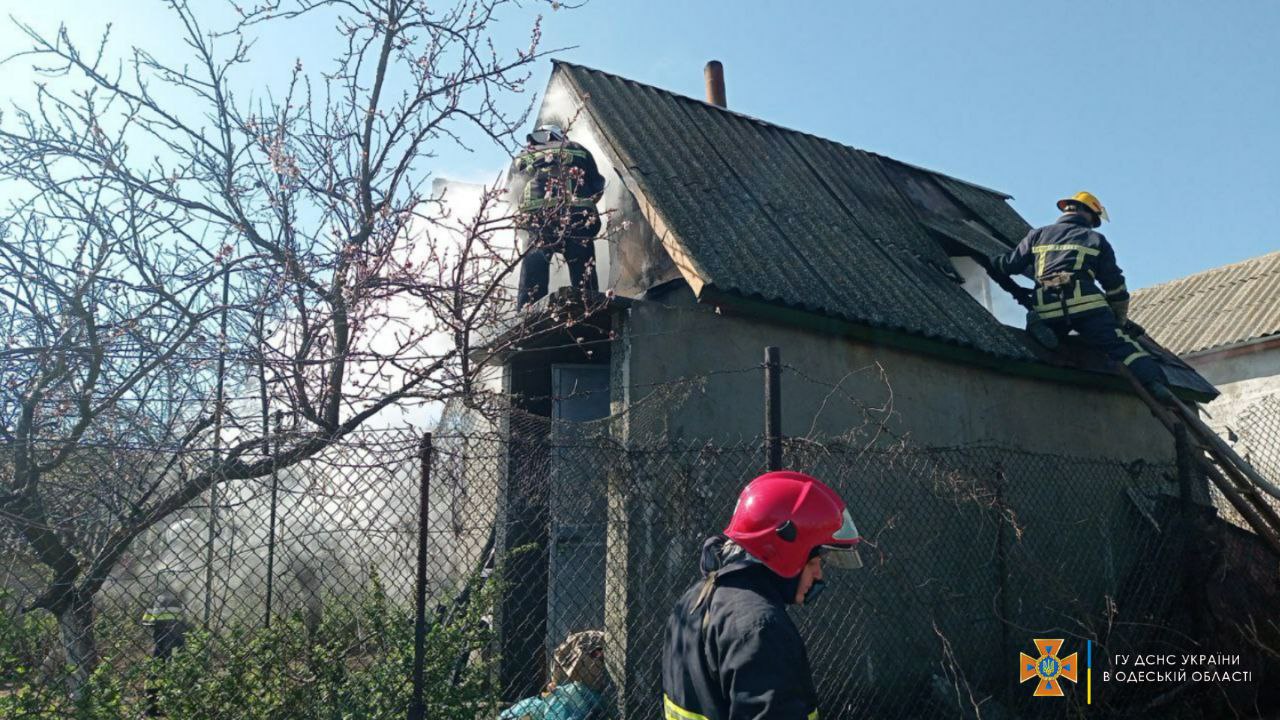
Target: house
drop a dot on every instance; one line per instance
(727, 234)
(1225, 323)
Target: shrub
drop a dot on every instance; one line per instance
(357, 663)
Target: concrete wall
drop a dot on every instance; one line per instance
(1075, 539)
(1244, 376)
(931, 402)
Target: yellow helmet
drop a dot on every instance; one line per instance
(1090, 201)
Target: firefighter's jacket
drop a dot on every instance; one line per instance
(1074, 268)
(730, 651)
(558, 176)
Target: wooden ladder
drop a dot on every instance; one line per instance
(1241, 484)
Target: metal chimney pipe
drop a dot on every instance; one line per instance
(714, 73)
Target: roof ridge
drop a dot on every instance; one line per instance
(1223, 269)
(784, 128)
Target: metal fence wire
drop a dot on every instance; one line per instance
(1256, 437)
(1259, 436)
(539, 532)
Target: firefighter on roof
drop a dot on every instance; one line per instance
(1080, 287)
(557, 211)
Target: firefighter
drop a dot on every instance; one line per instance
(730, 651)
(1080, 287)
(557, 211)
(168, 628)
(168, 633)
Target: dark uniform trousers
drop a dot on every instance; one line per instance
(558, 215)
(1099, 329)
(574, 239)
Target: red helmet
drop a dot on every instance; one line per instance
(782, 517)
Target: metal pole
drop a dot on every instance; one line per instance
(217, 448)
(271, 524)
(266, 448)
(1002, 576)
(417, 711)
(773, 408)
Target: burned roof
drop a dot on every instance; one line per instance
(772, 214)
(1216, 308)
(809, 230)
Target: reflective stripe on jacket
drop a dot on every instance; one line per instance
(672, 711)
(1075, 258)
(731, 651)
(558, 174)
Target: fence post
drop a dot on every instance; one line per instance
(417, 709)
(273, 448)
(1192, 575)
(219, 402)
(1002, 578)
(773, 408)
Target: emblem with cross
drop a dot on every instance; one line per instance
(1048, 667)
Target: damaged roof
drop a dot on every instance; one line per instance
(772, 214)
(1213, 309)
(809, 227)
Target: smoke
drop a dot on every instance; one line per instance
(322, 546)
(336, 524)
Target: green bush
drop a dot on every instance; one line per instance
(25, 640)
(357, 663)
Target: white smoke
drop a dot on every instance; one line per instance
(345, 513)
(337, 522)
(994, 300)
(323, 544)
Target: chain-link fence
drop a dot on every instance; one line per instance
(1256, 437)
(1259, 436)
(291, 591)
(972, 553)
(294, 594)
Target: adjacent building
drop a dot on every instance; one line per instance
(1225, 323)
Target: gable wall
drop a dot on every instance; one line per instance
(934, 403)
(629, 257)
(1244, 377)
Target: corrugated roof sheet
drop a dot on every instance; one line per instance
(1215, 308)
(779, 215)
(991, 208)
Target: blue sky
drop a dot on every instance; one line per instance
(1166, 110)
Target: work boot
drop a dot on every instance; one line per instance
(1162, 393)
(1041, 333)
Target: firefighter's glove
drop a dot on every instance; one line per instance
(1121, 309)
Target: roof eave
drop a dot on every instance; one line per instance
(1244, 347)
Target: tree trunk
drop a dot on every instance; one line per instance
(75, 628)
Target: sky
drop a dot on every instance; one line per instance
(1165, 110)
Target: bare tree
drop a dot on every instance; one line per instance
(168, 219)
